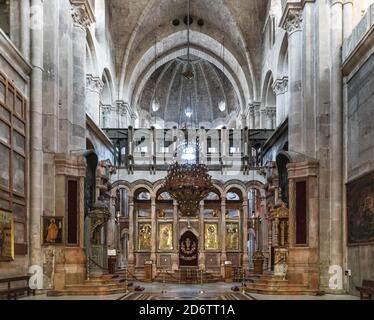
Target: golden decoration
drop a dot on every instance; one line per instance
(211, 236)
(165, 236)
(145, 233)
(232, 236)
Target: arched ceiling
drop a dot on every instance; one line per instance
(209, 96)
(236, 25)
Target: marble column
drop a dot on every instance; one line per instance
(82, 19)
(131, 256)
(94, 87)
(270, 115)
(201, 243)
(257, 116)
(223, 234)
(336, 134)
(245, 261)
(36, 136)
(263, 118)
(293, 26)
(348, 18)
(174, 258)
(252, 122)
(25, 29)
(153, 234)
(280, 87)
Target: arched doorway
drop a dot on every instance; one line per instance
(188, 250)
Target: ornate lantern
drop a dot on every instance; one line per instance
(188, 184)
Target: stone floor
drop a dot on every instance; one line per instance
(216, 291)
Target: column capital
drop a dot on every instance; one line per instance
(94, 84)
(82, 13)
(270, 111)
(280, 86)
(292, 19)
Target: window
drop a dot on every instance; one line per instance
(13, 193)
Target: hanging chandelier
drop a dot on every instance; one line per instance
(188, 184)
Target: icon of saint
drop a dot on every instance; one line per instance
(52, 233)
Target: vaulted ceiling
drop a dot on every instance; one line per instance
(145, 39)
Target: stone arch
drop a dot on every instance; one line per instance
(139, 184)
(185, 229)
(236, 184)
(174, 46)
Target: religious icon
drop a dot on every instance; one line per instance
(165, 236)
(211, 236)
(144, 236)
(52, 232)
(6, 236)
(232, 236)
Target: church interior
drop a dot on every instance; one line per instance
(154, 149)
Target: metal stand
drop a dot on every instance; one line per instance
(201, 292)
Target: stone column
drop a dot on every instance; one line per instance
(252, 123)
(223, 234)
(348, 18)
(336, 134)
(25, 29)
(82, 18)
(293, 26)
(263, 119)
(36, 136)
(245, 261)
(175, 261)
(154, 234)
(201, 243)
(280, 87)
(131, 256)
(257, 116)
(244, 121)
(270, 115)
(94, 87)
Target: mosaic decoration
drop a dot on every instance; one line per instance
(165, 236)
(232, 236)
(144, 236)
(211, 236)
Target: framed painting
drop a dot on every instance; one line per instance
(6, 236)
(232, 236)
(144, 236)
(211, 236)
(360, 210)
(52, 231)
(165, 236)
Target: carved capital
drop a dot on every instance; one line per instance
(293, 21)
(280, 86)
(94, 83)
(82, 13)
(270, 112)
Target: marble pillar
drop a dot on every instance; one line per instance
(81, 20)
(94, 87)
(336, 134)
(131, 256)
(25, 29)
(223, 234)
(153, 256)
(174, 256)
(252, 123)
(270, 117)
(263, 118)
(244, 249)
(201, 243)
(280, 88)
(348, 18)
(293, 26)
(257, 116)
(36, 136)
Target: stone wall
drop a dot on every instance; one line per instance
(360, 157)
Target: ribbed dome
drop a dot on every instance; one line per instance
(208, 99)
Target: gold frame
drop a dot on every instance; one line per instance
(138, 236)
(206, 240)
(48, 244)
(11, 217)
(237, 224)
(160, 225)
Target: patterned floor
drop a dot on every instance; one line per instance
(186, 296)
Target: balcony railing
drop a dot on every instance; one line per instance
(143, 149)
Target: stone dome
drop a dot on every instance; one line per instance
(170, 99)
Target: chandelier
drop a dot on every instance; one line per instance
(188, 184)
